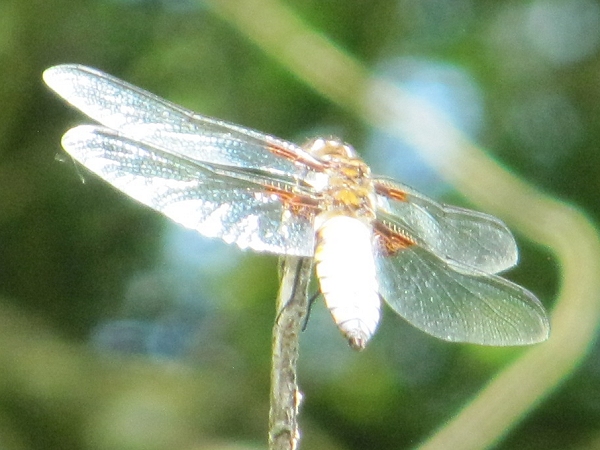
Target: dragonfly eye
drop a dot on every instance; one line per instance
(327, 148)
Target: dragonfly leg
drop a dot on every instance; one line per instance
(311, 301)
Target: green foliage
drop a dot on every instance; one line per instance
(72, 251)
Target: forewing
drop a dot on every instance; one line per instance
(455, 235)
(145, 117)
(238, 211)
(457, 303)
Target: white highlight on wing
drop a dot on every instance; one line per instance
(191, 194)
(346, 270)
(145, 117)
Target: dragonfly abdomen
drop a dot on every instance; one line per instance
(345, 267)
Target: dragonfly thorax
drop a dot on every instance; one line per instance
(349, 190)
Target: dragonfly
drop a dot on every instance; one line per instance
(372, 238)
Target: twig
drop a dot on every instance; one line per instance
(292, 304)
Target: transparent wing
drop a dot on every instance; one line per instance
(147, 118)
(455, 235)
(199, 196)
(457, 303)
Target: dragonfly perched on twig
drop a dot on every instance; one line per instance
(372, 238)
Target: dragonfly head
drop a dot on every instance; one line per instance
(326, 149)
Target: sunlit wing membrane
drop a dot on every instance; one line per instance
(455, 302)
(454, 235)
(147, 118)
(263, 217)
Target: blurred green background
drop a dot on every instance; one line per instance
(120, 330)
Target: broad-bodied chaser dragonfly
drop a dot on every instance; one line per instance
(371, 237)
